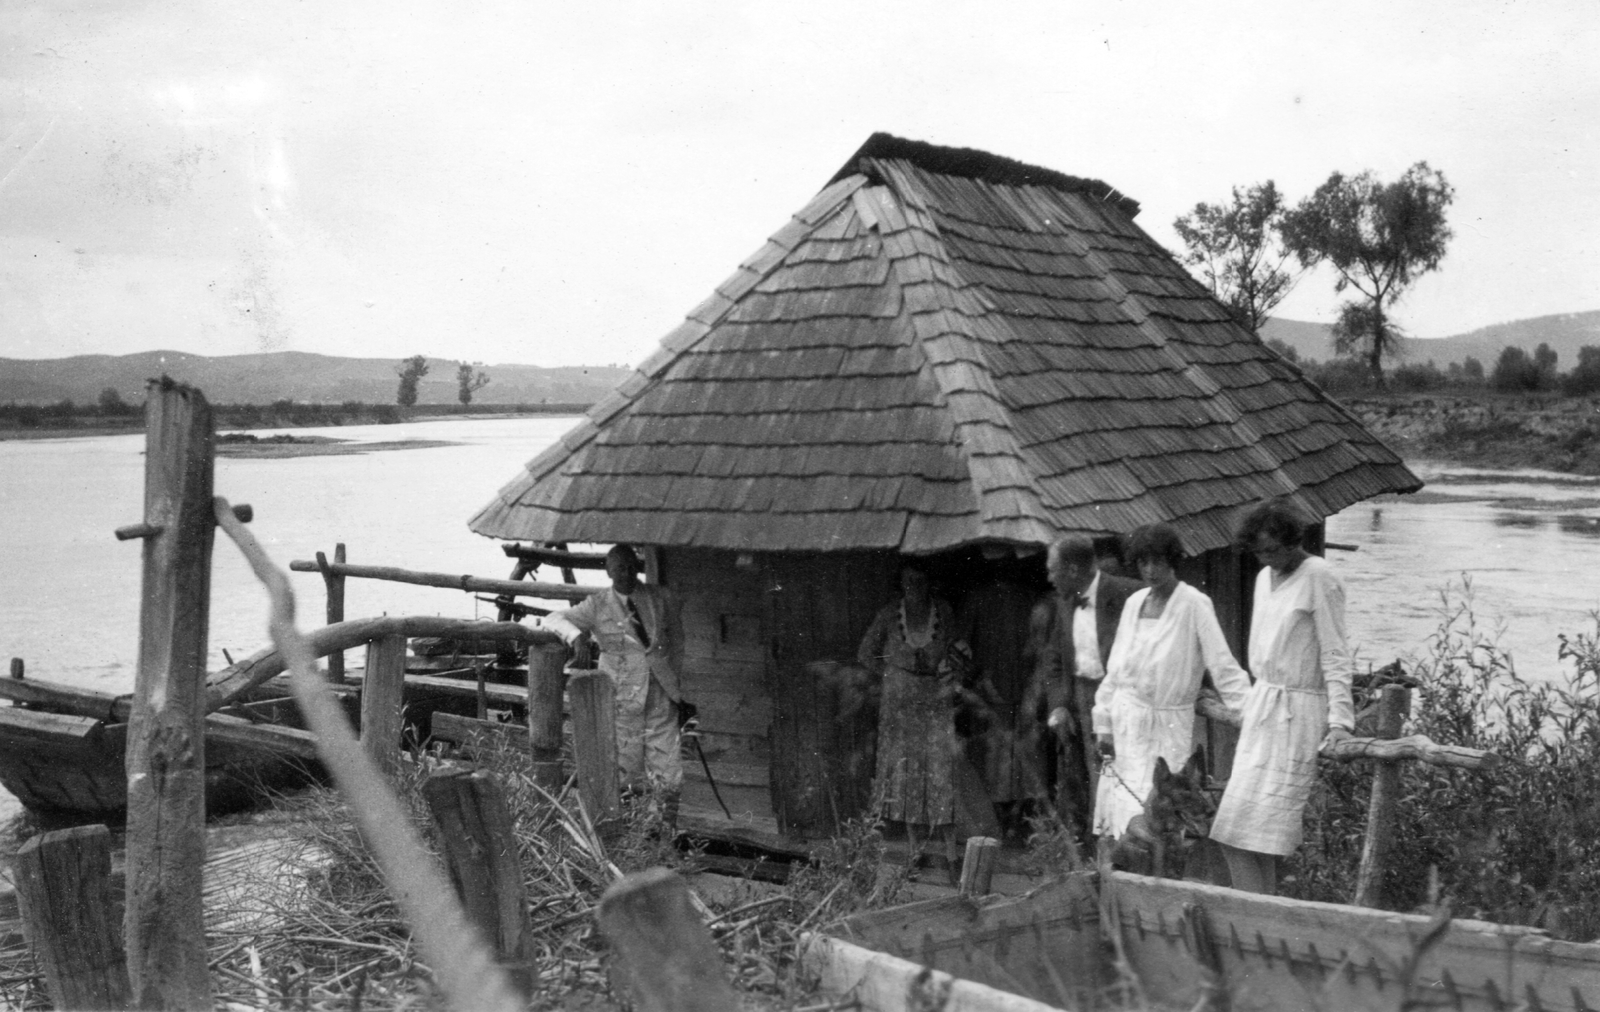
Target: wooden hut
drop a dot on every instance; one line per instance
(945, 354)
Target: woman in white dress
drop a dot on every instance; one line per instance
(1300, 701)
(1167, 639)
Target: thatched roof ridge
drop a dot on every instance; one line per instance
(924, 358)
(981, 166)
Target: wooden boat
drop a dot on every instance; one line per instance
(1190, 945)
(62, 750)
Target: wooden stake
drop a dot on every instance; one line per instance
(166, 741)
(977, 868)
(665, 955)
(547, 680)
(64, 890)
(594, 742)
(480, 846)
(382, 699)
(1392, 705)
(16, 667)
(334, 584)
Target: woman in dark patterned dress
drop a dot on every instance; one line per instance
(909, 645)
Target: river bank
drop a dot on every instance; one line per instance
(1488, 430)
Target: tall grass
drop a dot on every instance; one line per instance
(1518, 845)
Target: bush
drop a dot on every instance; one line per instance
(1516, 845)
(1514, 372)
(1417, 378)
(1340, 375)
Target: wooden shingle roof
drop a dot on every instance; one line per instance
(945, 348)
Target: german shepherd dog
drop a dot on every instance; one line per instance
(1177, 813)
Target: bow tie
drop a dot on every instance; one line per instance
(1081, 601)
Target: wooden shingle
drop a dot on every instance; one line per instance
(944, 348)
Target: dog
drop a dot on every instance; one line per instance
(1177, 813)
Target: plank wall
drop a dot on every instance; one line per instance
(725, 675)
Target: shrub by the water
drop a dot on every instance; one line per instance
(1516, 845)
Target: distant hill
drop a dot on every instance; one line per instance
(290, 375)
(1565, 333)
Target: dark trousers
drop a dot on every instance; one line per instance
(1077, 765)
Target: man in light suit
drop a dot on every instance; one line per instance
(639, 631)
(1078, 623)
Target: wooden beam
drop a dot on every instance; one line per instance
(665, 953)
(166, 744)
(547, 682)
(477, 735)
(64, 891)
(480, 850)
(977, 868)
(594, 742)
(239, 679)
(1414, 746)
(334, 584)
(383, 702)
(50, 728)
(1392, 704)
(555, 557)
(393, 574)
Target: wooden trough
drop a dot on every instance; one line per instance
(1190, 945)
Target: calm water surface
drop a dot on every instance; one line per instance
(69, 596)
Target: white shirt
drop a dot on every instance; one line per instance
(1086, 636)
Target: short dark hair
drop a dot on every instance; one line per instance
(1278, 518)
(1155, 541)
(625, 553)
(1073, 549)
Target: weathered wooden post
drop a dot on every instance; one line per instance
(1392, 705)
(334, 583)
(64, 891)
(547, 681)
(382, 701)
(166, 741)
(594, 742)
(480, 846)
(665, 955)
(977, 868)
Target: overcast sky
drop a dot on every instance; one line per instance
(557, 184)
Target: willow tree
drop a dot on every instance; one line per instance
(1379, 238)
(1238, 252)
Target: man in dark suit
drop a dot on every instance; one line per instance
(1078, 622)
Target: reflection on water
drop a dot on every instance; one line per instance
(1517, 520)
(1584, 526)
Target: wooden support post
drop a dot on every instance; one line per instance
(977, 868)
(165, 931)
(1392, 706)
(594, 742)
(334, 583)
(382, 701)
(480, 849)
(665, 955)
(547, 681)
(16, 667)
(64, 891)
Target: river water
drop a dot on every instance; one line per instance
(1529, 541)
